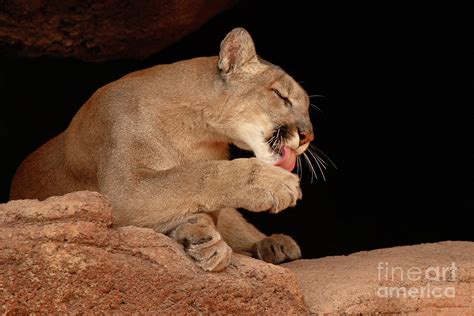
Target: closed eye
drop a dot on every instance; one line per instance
(285, 99)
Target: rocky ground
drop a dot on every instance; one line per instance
(427, 279)
(63, 255)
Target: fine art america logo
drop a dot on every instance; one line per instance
(431, 282)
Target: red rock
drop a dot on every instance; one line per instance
(355, 284)
(62, 255)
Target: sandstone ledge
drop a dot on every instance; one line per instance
(426, 279)
(61, 255)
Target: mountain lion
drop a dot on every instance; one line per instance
(156, 141)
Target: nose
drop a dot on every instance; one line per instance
(305, 136)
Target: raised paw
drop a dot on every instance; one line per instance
(276, 249)
(203, 243)
(265, 187)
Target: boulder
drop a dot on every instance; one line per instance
(100, 30)
(426, 279)
(62, 255)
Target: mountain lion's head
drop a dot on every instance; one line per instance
(265, 110)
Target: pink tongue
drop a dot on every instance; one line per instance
(287, 160)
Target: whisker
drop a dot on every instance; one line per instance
(301, 167)
(297, 167)
(313, 172)
(318, 162)
(275, 146)
(272, 145)
(271, 140)
(275, 141)
(319, 151)
(317, 158)
(320, 169)
(309, 164)
(323, 163)
(278, 144)
(316, 107)
(317, 96)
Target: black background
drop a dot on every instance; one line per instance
(396, 116)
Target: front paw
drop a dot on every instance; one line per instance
(211, 257)
(203, 243)
(265, 187)
(276, 249)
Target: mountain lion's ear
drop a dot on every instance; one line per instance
(237, 49)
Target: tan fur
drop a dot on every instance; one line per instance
(156, 143)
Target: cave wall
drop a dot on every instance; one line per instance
(100, 30)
